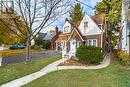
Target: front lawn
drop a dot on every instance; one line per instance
(113, 76)
(14, 71)
(18, 51)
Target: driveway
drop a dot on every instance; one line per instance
(21, 58)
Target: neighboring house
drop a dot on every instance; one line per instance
(52, 37)
(88, 31)
(42, 35)
(125, 39)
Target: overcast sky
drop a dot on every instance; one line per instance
(86, 9)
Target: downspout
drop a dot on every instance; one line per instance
(101, 39)
(56, 46)
(102, 36)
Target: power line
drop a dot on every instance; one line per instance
(85, 4)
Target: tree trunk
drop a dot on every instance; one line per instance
(28, 50)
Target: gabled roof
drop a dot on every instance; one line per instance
(99, 19)
(77, 23)
(63, 37)
(77, 30)
(42, 35)
(49, 35)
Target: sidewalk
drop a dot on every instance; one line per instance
(52, 67)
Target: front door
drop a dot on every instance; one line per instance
(73, 46)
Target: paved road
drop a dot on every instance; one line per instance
(21, 58)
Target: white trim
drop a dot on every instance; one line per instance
(78, 44)
(73, 47)
(86, 27)
(92, 42)
(78, 34)
(66, 27)
(95, 23)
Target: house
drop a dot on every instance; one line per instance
(42, 35)
(88, 31)
(52, 37)
(125, 30)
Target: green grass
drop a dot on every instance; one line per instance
(113, 76)
(14, 71)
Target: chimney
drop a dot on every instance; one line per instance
(56, 30)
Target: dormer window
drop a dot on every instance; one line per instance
(7, 7)
(66, 29)
(85, 26)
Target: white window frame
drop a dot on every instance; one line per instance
(66, 29)
(92, 40)
(63, 44)
(78, 44)
(85, 27)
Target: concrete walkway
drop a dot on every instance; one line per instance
(52, 67)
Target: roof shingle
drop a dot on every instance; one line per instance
(50, 35)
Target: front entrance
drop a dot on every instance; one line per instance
(73, 46)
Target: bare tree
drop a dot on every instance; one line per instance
(36, 15)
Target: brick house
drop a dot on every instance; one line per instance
(88, 31)
(52, 37)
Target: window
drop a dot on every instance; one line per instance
(63, 44)
(92, 42)
(66, 29)
(85, 26)
(89, 42)
(78, 44)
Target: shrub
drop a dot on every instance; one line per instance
(46, 45)
(89, 54)
(124, 57)
(38, 40)
(37, 47)
(32, 46)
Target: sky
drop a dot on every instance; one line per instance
(86, 10)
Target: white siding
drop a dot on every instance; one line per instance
(92, 29)
(67, 24)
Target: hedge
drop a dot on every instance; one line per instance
(89, 54)
(46, 45)
(123, 57)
